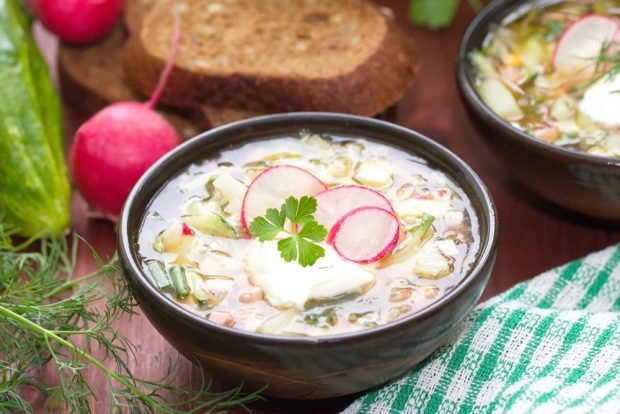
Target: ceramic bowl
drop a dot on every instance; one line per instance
(576, 181)
(307, 367)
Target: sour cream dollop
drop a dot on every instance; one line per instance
(601, 101)
(290, 285)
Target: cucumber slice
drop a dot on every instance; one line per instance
(212, 224)
(499, 98)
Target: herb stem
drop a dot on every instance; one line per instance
(47, 334)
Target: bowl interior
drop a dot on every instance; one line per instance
(209, 144)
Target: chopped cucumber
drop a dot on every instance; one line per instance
(179, 281)
(483, 64)
(212, 224)
(156, 270)
(499, 98)
(416, 238)
(532, 51)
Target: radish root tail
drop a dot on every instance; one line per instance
(165, 74)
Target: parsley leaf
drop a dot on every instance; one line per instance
(302, 231)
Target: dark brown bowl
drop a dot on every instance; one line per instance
(574, 180)
(307, 367)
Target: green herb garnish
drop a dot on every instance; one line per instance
(555, 28)
(302, 229)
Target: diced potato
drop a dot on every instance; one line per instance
(532, 51)
(499, 99)
(563, 108)
(453, 218)
(417, 207)
(230, 191)
(278, 323)
(432, 264)
(340, 167)
(373, 173)
(447, 247)
(173, 240)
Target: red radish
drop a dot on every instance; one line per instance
(581, 43)
(78, 21)
(186, 230)
(274, 185)
(119, 143)
(334, 203)
(365, 235)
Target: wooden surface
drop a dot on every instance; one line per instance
(534, 236)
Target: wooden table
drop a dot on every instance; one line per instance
(534, 236)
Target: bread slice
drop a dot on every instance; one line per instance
(276, 55)
(91, 77)
(135, 11)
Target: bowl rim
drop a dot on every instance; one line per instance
(485, 255)
(484, 112)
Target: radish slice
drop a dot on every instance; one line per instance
(580, 44)
(365, 235)
(334, 203)
(274, 185)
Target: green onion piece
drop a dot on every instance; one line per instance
(157, 272)
(179, 281)
(419, 232)
(202, 297)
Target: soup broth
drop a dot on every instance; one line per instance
(554, 72)
(195, 247)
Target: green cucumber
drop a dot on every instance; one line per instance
(212, 224)
(34, 186)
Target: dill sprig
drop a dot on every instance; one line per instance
(47, 315)
(608, 59)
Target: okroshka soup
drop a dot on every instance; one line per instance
(308, 235)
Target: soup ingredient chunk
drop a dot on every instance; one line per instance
(365, 235)
(273, 186)
(288, 284)
(580, 44)
(338, 201)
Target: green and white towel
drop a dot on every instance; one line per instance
(548, 345)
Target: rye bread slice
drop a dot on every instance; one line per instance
(135, 11)
(276, 55)
(91, 77)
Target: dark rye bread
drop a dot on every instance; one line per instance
(276, 55)
(133, 14)
(91, 77)
(134, 11)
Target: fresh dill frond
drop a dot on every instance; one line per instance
(608, 59)
(48, 316)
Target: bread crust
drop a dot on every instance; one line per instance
(372, 86)
(91, 78)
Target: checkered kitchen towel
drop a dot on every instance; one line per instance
(548, 345)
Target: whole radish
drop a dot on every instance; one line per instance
(119, 143)
(78, 21)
